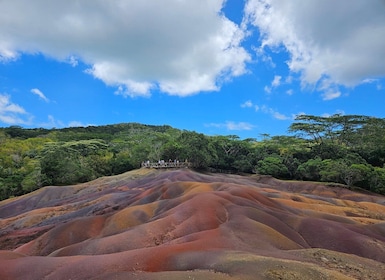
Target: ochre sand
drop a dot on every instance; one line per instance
(181, 224)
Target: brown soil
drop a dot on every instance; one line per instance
(181, 224)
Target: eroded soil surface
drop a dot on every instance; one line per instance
(181, 224)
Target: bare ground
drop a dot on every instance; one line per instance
(181, 224)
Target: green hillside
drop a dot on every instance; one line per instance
(346, 149)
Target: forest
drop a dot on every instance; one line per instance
(347, 150)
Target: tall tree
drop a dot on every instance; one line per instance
(195, 149)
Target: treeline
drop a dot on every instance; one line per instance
(346, 149)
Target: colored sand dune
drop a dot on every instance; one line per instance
(181, 224)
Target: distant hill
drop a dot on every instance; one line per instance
(183, 224)
(341, 149)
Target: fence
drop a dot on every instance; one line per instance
(166, 164)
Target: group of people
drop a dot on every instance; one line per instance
(163, 163)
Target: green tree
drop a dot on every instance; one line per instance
(336, 128)
(73, 162)
(172, 150)
(377, 180)
(310, 170)
(195, 149)
(331, 171)
(231, 153)
(355, 174)
(32, 179)
(121, 163)
(272, 165)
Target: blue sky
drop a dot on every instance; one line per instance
(217, 67)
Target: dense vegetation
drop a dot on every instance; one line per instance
(346, 149)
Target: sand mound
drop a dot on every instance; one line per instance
(157, 224)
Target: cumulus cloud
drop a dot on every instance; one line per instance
(38, 92)
(179, 47)
(11, 113)
(326, 39)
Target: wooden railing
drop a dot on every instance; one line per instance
(166, 164)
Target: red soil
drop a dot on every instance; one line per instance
(152, 224)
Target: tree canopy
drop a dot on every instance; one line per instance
(346, 149)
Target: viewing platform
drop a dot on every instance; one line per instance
(166, 164)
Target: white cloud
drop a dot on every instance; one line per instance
(289, 92)
(337, 112)
(52, 123)
(266, 110)
(250, 104)
(279, 116)
(275, 114)
(11, 113)
(331, 94)
(377, 82)
(230, 125)
(369, 81)
(73, 61)
(337, 40)
(40, 94)
(247, 104)
(6, 54)
(239, 126)
(329, 88)
(179, 47)
(276, 81)
(78, 124)
(274, 84)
